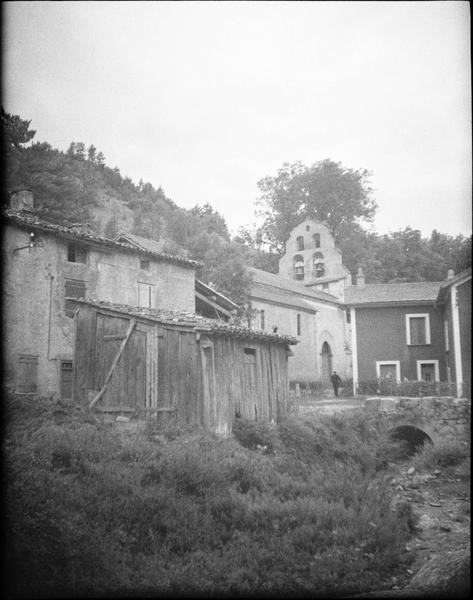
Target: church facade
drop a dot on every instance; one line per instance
(306, 300)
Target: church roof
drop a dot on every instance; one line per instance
(280, 288)
(388, 293)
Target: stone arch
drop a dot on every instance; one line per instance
(414, 437)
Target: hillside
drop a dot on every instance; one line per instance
(77, 186)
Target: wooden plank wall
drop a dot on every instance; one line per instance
(83, 356)
(174, 361)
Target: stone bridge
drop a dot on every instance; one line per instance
(441, 418)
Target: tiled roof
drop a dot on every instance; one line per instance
(288, 286)
(425, 291)
(140, 242)
(188, 319)
(267, 294)
(23, 219)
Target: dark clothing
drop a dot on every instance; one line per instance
(336, 382)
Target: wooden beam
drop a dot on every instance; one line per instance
(114, 364)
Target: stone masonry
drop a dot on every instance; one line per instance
(442, 418)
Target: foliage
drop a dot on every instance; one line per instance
(93, 512)
(442, 454)
(326, 192)
(390, 387)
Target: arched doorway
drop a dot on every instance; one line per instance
(326, 362)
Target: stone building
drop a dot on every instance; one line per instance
(44, 264)
(306, 300)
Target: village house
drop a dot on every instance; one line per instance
(178, 366)
(412, 331)
(306, 300)
(208, 302)
(44, 264)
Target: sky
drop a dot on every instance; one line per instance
(207, 98)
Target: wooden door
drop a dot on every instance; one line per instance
(127, 386)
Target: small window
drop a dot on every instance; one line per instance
(325, 287)
(145, 295)
(74, 288)
(299, 324)
(300, 242)
(307, 227)
(316, 237)
(76, 253)
(262, 320)
(348, 314)
(249, 351)
(417, 329)
(144, 264)
(27, 374)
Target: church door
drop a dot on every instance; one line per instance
(326, 362)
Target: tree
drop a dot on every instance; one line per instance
(16, 131)
(326, 191)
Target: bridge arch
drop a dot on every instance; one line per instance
(414, 438)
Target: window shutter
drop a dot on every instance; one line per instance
(27, 374)
(417, 329)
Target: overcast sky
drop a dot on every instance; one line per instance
(206, 98)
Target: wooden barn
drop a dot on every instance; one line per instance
(178, 365)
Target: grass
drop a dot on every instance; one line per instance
(297, 508)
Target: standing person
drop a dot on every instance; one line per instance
(336, 382)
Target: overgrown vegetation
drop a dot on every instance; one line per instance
(390, 387)
(298, 508)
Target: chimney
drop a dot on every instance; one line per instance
(450, 273)
(360, 278)
(22, 200)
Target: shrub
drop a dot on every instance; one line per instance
(94, 513)
(442, 454)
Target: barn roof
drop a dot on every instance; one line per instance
(187, 319)
(388, 293)
(31, 221)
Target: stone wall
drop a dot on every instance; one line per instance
(442, 418)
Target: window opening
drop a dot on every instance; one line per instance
(417, 329)
(300, 242)
(74, 288)
(316, 237)
(298, 324)
(298, 267)
(319, 267)
(144, 264)
(262, 319)
(76, 253)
